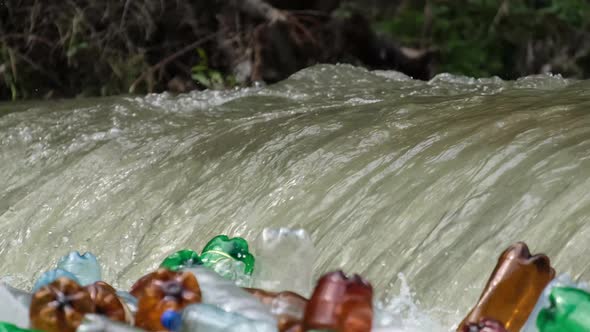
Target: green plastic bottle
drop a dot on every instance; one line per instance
(569, 311)
(180, 260)
(222, 248)
(7, 327)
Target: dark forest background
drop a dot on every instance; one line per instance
(72, 48)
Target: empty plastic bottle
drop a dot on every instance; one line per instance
(7, 327)
(50, 276)
(129, 300)
(107, 303)
(513, 288)
(230, 258)
(22, 296)
(284, 260)
(12, 310)
(210, 318)
(161, 291)
(287, 306)
(85, 267)
(229, 297)
(569, 310)
(99, 323)
(341, 304)
(562, 280)
(181, 259)
(60, 306)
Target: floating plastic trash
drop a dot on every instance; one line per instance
(85, 267)
(181, 259)
(99, 323)
(513, 288)
(230, 258)
(210, 318)
(161, 291)
(50, 276)
(7, 327)
(60, 306)
(340, 303)
(287, 307)
(192, 292)
(562, 280)
(226, 295)
(107, 303)
(281, 254)
(569, 310)
(12, 310)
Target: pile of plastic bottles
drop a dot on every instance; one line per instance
(212, 292)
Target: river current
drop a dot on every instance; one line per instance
(418, 186)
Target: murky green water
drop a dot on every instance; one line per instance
(389, 175)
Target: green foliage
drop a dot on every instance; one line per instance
(489, 37)
(210, 78)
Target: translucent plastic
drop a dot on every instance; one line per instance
(50, 276)
(284, 260)
(12, 310)
(210, 318)
(84, 266)
(229, 297)
(98, 323)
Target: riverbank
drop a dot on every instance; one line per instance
(85, 48)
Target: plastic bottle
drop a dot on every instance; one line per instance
(181, 259)
(210, 318)
(50, 276)
(569, 310)
(161, 291)
(230, 258)
(12, 310)
(284, 260)
(562, 280)
(60, 306)
(227, 296)
(107, 303)
(99, 323)
(513, 288)
(340, 303)
(85, 267)
(7, 327)
(287, 306)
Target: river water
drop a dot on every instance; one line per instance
(427, 181)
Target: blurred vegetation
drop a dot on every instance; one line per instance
(481, 38)
(98, 48)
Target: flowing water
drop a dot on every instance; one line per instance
(392, 177)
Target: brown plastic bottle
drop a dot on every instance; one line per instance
(161, 291)
(288, 307)
(60, 306)
(513, 288)
(340, 304)
(106, 301)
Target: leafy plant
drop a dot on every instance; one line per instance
(210, 78)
